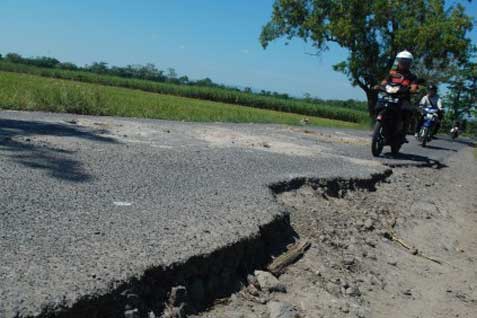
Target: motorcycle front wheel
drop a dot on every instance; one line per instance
(424, 135)
(377, 143)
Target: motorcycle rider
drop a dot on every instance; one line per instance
(432, 100)
(401, 74)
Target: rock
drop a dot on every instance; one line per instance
(233, 314)
(368, 224)
(370, 242)
(392, 263)
(344, 308)
(348, 260)
(252, 280)
(353, 291)
(268, 282)
(252, 290)
(266, 145)
(175, 312)
(372, 256)
(407, 292)
(281, 310)
(178, 296)
(133, 313)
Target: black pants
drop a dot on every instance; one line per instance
(406, 117)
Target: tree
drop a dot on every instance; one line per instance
(373, 32)
(14, 58)
(98, 67)
(67, 66)
(171, 73)
(44, 61)
(462, 95)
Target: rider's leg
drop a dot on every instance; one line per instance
(407, 110)
(420, 121)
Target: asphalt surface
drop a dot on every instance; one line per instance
(89, 201)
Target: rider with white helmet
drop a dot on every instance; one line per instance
(402, 75)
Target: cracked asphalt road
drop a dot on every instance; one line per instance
(89, 202)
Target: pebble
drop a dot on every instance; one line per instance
(369, 224)
(370, 242)
(392, 263)
(252, 280)
(407, 292)
(348, 260)
(344, 308)
(353, 291)
(268, 282)
(282, 310)
(133, 313)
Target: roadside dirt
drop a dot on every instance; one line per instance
(356, 265)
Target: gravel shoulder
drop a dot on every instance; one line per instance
(355, 269)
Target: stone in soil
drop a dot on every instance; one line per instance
(282, 310)
(268, 282)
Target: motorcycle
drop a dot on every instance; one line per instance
(388, 130)
(454, 132)
(430, 120)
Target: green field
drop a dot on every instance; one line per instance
(217, 94)
(34, 93)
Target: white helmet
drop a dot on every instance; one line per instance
(405, 55)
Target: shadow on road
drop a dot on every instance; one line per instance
(440, 148)
(16, 140)
(419, 161)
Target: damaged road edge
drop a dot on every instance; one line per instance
(204, 278)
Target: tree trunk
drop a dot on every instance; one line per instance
(372, 96)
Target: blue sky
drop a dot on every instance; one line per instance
(207, 38)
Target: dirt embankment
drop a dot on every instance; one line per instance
(405, 248)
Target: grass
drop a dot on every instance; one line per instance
(198, 92)
(34, 93)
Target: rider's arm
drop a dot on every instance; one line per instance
(424, 101)
(414, 87)
(439, 104)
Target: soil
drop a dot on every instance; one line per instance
(406, 248)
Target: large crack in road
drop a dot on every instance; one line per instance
(402, 248)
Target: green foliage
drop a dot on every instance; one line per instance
(462, 93)
(218, 94)
(33, 93)
(374, 32)
(461, 99)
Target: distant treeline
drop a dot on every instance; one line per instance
(151, 73)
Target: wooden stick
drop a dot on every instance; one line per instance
(296, 251)
(393, 237)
